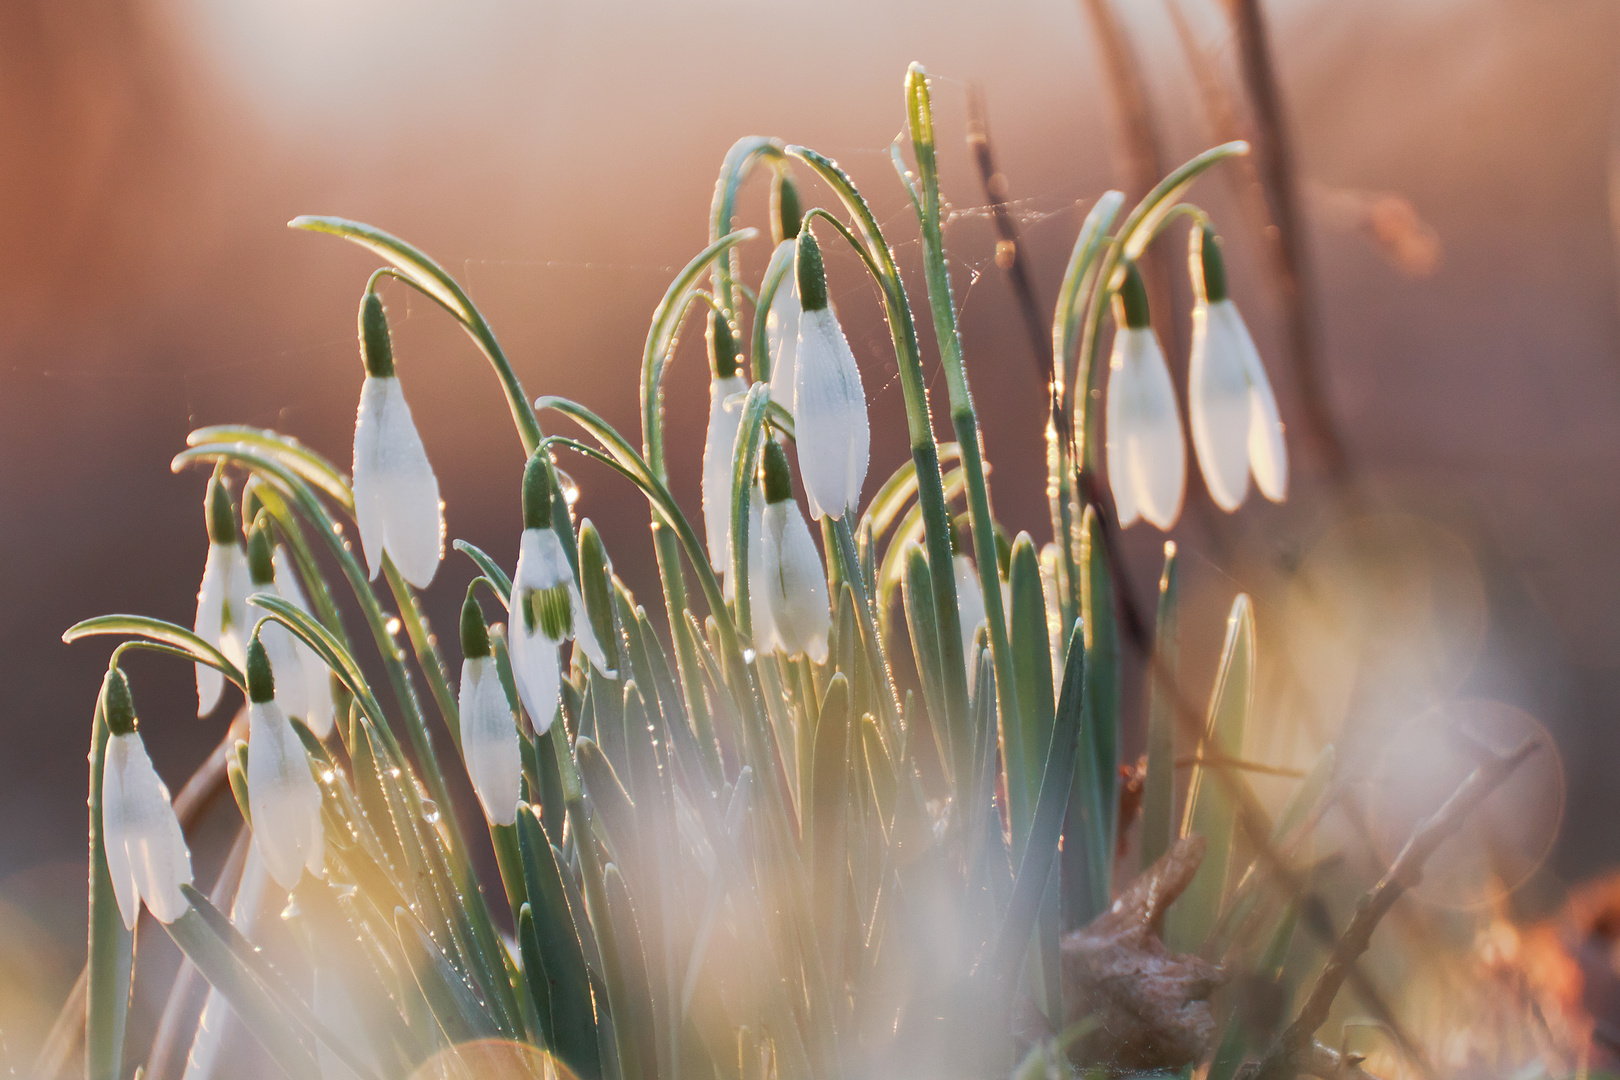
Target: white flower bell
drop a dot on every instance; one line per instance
(829, 405)
(545, 606)
(283, 797)
(297, 692)
(795, 583)
(489, 735)
(396, 495)
(765, 638)
(1147, 459)
(782, 320)
(1236, 429)
(222, 611)
(722, 436)
(147, 857)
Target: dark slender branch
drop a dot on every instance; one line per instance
(1295, 1049)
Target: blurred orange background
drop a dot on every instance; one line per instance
(1456, 159)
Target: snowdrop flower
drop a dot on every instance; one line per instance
(1235, 426)
(147, 856)
(765, 639)
(545, 606)
(829, 406)
(782, 320)
(222, 611)
(283, 798)
(1147, 461)
(795, 584)
(717, 448)
(302, 688)
(396, 495)
(318, 712)
(489, 736)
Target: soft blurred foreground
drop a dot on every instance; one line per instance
(1455, 158)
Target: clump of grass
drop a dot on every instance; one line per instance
(779, 831)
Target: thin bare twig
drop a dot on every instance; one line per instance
(1295, 1049)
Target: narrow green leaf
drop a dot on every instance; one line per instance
(1032, 667)
(556, 927)
(1159, 786)
(314, 468)
(167, 633)
(488, 567)
(460, 1010)
(627, 968)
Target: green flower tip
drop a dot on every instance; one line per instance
(220, 514)
(1207, 267)
(376, 349)
(812, 276)
(786, 211)
(261, 684)
(1133, 298)
(537, 487)
(261, 567)
(722, 346)
(551, 611)
(778, 480)
(474, 634)
(117, 706)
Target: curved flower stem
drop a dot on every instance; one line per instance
(964, 418)
(919, 424)
(740, 160)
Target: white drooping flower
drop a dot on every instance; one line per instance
(396, 495)
(283, 797)
(829, 405)
(782, 329)
(317, 676)
(489, 736)
(545, 606)
(1147, 459)
(724, 421)
(297, 692)
(222, 612)
(795, 583)
(147, 857)
(765, 639)
(1236, 429)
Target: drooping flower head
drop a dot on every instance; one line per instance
(722, 435)
(283, 797)
(222, 611)
(1236, 429)
(318, 712)
(829, 405)
(795, 583)
(302, 686)
(396, 495)
(782, 320)
(1147, 460)
(545, 607)
(489, 736)
(146, 851)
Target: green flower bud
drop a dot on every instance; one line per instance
(261, 684)
(778, 480)
(117, 706)
(219, 513)
(474, 633)
(811, 274)
(260, 550)
(786, 214)
(375, 347)
(723, 353)
(537, 490)
(1207, 267)
(1133, 299)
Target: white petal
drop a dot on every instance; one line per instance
(759, 604)
(1268, 450)
(286, 662)
(534, 668)
(283, 796)
(317, 678)
(717, 469)
(1146, 455)
(401, 489)
(1218, 401)
(159, 861)
(489, 740)
(368, 466)
(970, 604)
(542, 562)
(829, 409)
(782, 334)
(210, 621)
(796, 585)
(115, 827)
